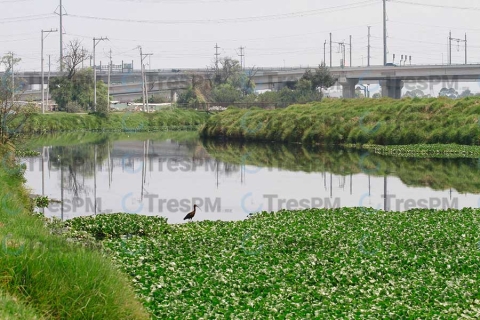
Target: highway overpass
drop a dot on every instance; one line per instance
(391, 78)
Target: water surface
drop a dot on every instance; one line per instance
(166, 173)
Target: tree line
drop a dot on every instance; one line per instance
(229, 85)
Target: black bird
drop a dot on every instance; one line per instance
(191, 214)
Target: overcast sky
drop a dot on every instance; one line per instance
(274, 32)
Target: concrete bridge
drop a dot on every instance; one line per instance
(125, 86)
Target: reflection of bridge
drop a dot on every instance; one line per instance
(391, 79)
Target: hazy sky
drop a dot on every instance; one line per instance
(274, 32)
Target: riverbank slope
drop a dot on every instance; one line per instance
(44, 276)
(355, 121)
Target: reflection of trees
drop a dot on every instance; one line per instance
(78, 161)
(439, 174)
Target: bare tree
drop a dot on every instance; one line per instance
(76, 54)
(13, 113)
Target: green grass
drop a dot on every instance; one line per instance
(349, 263)
(168, 120)
(355, 121)
(13, 309)
(44, 272)
(84, 137)
(425, 150)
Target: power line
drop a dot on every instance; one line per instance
(434, 26)
(179, 1)
(27, 18)
(434, 5)
(244, 19)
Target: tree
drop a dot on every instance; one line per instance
(466, 93)
(61, 91)
(228, 70)
(226, 94)
(13, 114)
(75, 90)
(76, 54)
(359, 93)
(448, 92)
(417, 93)
(321, 78)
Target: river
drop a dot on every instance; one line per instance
(167, 173)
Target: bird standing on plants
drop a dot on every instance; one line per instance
(191, 214)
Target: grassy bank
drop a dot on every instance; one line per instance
(45, 276)
(118, 121)
(85, 137)
(355, 121)
(348, 263)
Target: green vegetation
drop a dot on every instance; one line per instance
(12, 309)
(233, 86)
(359, 121)
(13, 114)
(74, 92)
(104, 226)
(86, 137)
(129, 122)
(425, 150)
(348, 263)
(43, 275)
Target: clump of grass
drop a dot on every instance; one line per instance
(12, 308)
(355, 121)
(167, 120)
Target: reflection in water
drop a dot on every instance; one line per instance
(165, 176)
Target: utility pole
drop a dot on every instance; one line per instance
(13, 81)
(61, 36)
(342, 51)
(368, 57)
(144, 86)
(43, 79)
(48, 80)
(384, 32)
(216, 56)
(330, 49)
(95, 42)
(143, 78)
(458, 43)
(108, 86)
(350, 51)
(241, 57)
(450, 48)
(324, 53)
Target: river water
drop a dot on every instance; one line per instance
(167, 173)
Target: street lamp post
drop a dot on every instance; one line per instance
(95, 42)
(43, 80)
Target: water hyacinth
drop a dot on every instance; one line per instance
(315, 263)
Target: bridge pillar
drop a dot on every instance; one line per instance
(392, 88)
(173, 96)
(348, 87)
